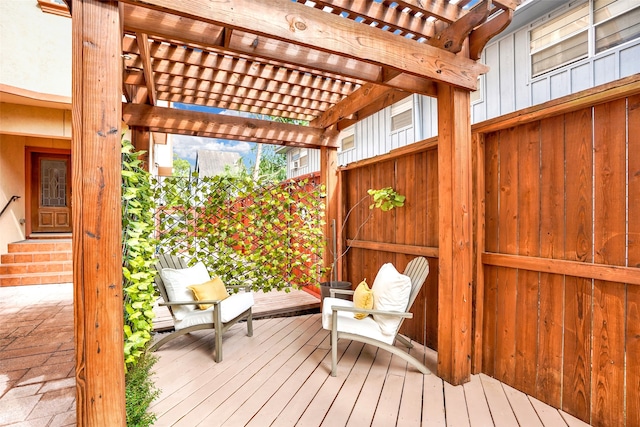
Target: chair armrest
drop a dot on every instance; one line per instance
(333, 292)
(215, 302)
(403, 314)
(246, 288)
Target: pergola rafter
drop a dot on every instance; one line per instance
(283, 64)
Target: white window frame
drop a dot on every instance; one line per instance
(301, 156)
(348, 133)
(625, 7)
(477, 96)
(571, 7)
(400, 108)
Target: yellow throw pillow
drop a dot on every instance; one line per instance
(362, 298)
(212, 290)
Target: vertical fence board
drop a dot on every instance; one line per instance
(429, 237)
(508, 241)
(528, 245)
(552, 216)
(610, 243)
(405, 184)
(492, 159)
(633, 291)
(577, 334)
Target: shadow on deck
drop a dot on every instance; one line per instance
(278, 377)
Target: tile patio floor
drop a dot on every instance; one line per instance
(37, 369)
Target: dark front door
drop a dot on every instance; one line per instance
(50, 192)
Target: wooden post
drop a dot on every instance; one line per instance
(329, 177)
(478, 240)
(97, 222)
(455, 194)
(141, 140)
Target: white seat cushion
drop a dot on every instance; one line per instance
(391, 291)
(230, 308)
(176, 281)
(366, 327)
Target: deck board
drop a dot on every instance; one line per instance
(522, 408)
(477, 403)
(455, 406)
(433, 413)
(281, 377)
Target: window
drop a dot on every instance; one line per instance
(402, 114)
(300, 157)
(347, 139)
(616, 22)
(560, 41)
(576, 32)
(57, 7)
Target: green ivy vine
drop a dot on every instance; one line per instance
(138, 248)
(269, 236)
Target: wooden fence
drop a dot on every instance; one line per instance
(557, 294)
(562, 247)
(375, 237)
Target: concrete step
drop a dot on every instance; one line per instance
(21, 268)
(60, 245)
(35, 279)
(21, 257)
(37, 262)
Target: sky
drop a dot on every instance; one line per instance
(186, 146)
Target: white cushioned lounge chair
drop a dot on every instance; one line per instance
(187, 317)
(380, 328)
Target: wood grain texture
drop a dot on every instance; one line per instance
(508, 243)
(609, 243)
(552, 214)
(479, 244)
(325, 32)
(455, 192)
(198, 123)
(633, 293)
(489, 326)
(528, 245)
(97, 252)
(428, 234)
(576, 396)
(329, 178)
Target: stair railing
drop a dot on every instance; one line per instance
(12, 199)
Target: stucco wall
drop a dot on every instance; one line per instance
(35, 121)
(12, 171)
(35, 48)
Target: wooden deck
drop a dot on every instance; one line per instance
(269, 304)
(280, 377)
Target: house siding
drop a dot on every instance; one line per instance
(507, 87)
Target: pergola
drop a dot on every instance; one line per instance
(331, 63)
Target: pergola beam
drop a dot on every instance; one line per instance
(453, 36)
(198, 123)
(143, 45)
(358, 100)
(308, 27)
